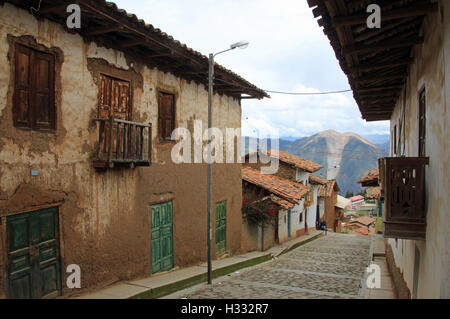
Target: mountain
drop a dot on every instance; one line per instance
(376, 139)
(345, 156)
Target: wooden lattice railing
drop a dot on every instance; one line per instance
(402, 180)
(122, 143)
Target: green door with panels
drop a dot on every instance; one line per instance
(221, 227)
(33, 255)
(162, 237)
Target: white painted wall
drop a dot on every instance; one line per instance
(295, 222)
(302, 176)
(431, 70)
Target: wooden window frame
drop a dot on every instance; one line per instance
(34, 56)
(160, 119)
(422, 117)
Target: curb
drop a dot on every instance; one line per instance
(363, 284)
(165, 290)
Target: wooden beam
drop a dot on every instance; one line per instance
(53, 8)
(377, 106)
(376, 77)
(376, 101)
(384, 118)
(388, 92)
(103, 30)
(377, 88)
(134, 43)
(383, 45)
(410, 11)
(376, 66)
(376, 110)
(313, 3)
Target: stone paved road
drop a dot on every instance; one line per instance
(331, 266)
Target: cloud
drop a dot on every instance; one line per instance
(287, 52)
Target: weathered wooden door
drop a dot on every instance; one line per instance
(33, 255)
(221, 227)
(162, 237)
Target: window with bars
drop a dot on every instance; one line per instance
(166, 115)
(34, 89)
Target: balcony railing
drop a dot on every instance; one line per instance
(122, 143)
(402, 180)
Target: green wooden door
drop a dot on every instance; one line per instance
(221, 227)
(33, 255)
(162, 237)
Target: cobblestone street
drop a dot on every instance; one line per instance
(331, 266)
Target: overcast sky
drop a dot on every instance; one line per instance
(287, 52)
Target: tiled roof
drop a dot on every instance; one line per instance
(366, 54)
(373, 192)
(163, 47)
(317, 179)
(350, 214)
(364, 220)
(284, 188)
(297, 161)
(356, 198)
(370, 175)
(327, 189)
(278, 201)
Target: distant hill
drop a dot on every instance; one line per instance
(345, 155)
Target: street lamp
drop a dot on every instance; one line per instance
(241, 45)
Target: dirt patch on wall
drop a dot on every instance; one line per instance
(29, 197)
(400, 286)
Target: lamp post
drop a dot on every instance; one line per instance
(241, 45)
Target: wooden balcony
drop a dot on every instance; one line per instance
(122, 144)
(402, 180)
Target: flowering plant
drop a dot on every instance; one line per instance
(259, 212)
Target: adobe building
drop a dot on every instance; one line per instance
(86, 175)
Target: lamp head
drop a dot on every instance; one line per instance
(240, 45)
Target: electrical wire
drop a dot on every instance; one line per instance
(286, 93)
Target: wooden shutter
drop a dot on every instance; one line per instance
(104, 96)
(44, 93)
(166, 118)
(23, 86)
(121, 99)
(34, 102)
(114, 98)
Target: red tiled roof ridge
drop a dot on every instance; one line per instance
(295, 160)
(370, 175)
(283, 188)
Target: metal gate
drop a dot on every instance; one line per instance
(33, 255)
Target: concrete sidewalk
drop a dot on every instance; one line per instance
(164, 283)
(386, 291)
